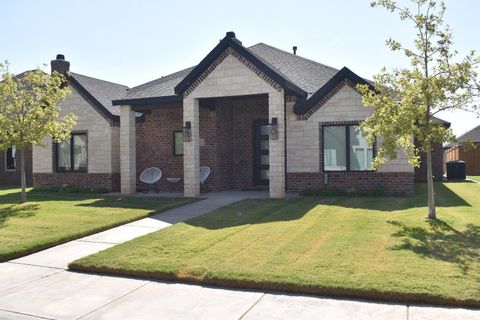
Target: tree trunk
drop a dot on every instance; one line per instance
(22, 176)
(431, 195)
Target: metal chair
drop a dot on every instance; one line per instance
(151, 176)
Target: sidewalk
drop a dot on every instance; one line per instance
(38, 286)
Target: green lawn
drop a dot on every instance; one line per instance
(476, 178)
(50, 218)
(368, 247)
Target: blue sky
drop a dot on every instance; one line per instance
(131, 42)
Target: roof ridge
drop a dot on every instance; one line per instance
(82, 75)
(294, 55)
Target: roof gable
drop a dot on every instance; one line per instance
(307, 107)
(220, 52)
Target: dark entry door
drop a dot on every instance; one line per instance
(261, 162)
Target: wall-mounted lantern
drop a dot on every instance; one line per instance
(273, 129)
(187, 132)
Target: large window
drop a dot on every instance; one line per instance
(72, 153)
(10, 161)
(345, 148)
(178, 143)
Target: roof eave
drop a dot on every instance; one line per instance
(147, 101)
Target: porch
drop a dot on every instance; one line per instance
(232, 139)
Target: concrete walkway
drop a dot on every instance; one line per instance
(38, 286)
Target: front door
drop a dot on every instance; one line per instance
(261, 166)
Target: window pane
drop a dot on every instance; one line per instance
(334, 148)
(361, 154)
(10, 159)
(63, 155)
(80, 152)
(178, 143)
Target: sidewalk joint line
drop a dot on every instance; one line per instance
(252, 306)
(114, 300)
(26, 314)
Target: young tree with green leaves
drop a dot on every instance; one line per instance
(406, 100)
(29, 112)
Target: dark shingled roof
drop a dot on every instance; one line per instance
(306, 74)
(470, 136)
(160, 87)
(102, 92)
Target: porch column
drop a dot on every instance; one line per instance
(127, 150)
(276, 109)
(191, 149)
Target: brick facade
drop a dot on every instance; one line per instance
(391, 183)
(155, 145)
(82, 180)
(437, 165)
(12, 177)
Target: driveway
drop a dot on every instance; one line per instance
(38, 286)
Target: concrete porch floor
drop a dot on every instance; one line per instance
(39, 286)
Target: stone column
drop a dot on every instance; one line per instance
(191, 149)
(127, 150)
(276, 109)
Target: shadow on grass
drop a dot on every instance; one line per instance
(439, 240)
(17, 211)
(445, 197)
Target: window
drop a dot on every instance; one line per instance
(10, 162)
(178, 143)
(345, 148)
(72, 153)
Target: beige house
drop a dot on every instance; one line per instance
(259, 117)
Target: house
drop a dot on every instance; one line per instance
(258, 116)
(471, 156)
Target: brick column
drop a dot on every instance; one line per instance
(127, 150)
(276, 109)
(191, 149)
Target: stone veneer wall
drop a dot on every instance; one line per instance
(12, 177)
(102, 150)
(304, 141)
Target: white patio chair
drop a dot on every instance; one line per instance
(151, 176)
(204, 173)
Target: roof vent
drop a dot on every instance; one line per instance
(230, 34)
(294, 49)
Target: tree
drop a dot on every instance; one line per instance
(406, 100)
(29, 112)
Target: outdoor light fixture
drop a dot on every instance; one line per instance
(273, 129)
(187, 132)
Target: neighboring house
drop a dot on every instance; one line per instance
(471, 156)
(259, 117)
(90, 159)
(10, 167)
